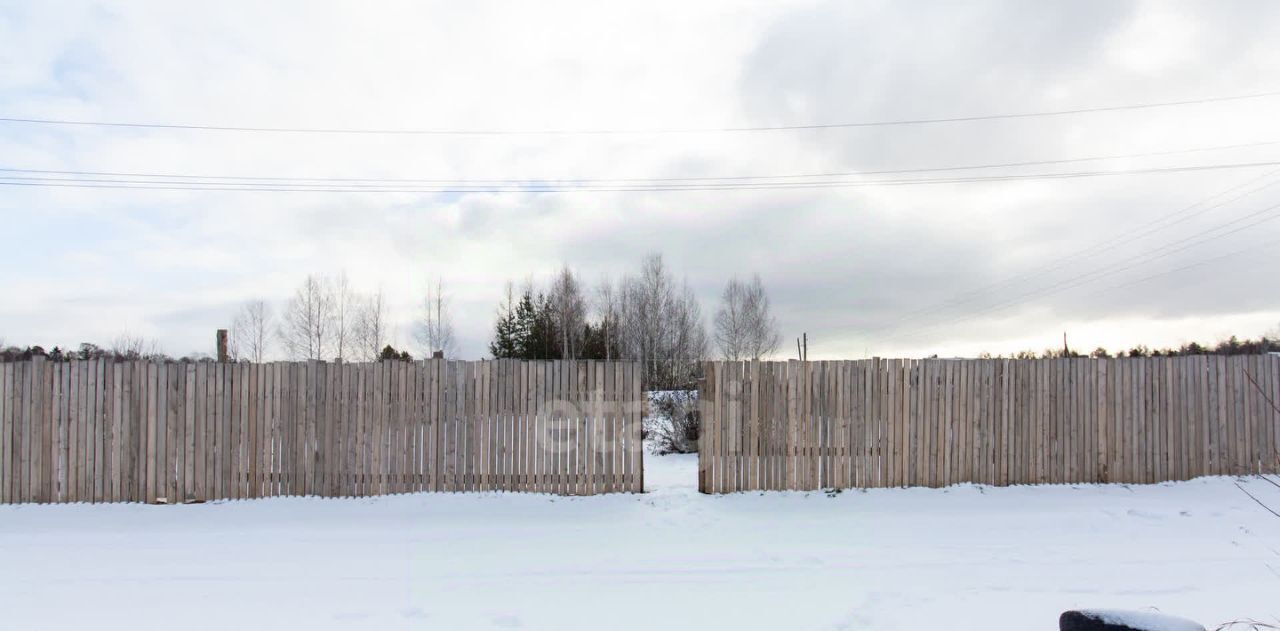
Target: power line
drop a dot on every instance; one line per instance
(534, 187)
(1264, 244)
(525, 180)
(1267, 214)
(615, 131)
(1110, 243)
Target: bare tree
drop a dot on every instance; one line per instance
(435, 330)
(345, 307)
(606, 306)
(370, 332)
(689, 337)
(251, 331)
(126, 346)
(306, 326)
(569, 310)
(744, 326)
(661, 326)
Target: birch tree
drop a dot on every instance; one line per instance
(370, 332)
(660, 325)
(435, 329)
(251, 331)
(306, 326)
(744, 326)
(346, 307)
(569, 310)
(606, 307)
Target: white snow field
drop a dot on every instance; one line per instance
(964, 557)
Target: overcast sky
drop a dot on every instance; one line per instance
(867, 270)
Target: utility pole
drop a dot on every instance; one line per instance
(222, 346)
(802, 347)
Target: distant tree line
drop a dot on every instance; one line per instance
(123, 348)
(1231, 346)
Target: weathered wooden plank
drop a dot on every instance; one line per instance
(430, 425)
(175, 438)
(562, 423)
(58, 397)
(788, 374)
(344, 410)
(637, 423)
(581, 410)
(457, 426)
(21, 434)
(573, 396)
(929, 424)
(416, 426)
(1271, 382)
(482, 428)
(400, 430)
(36, 429)
(618, 426)
(863, 421)
(7, 451)
(450, 427)
(109, 428)
(77, 431)
(516, 443)
(266, 396)
(724, 382)
(1237, 445)
(495, 422)
(410, 419)
(471, 428)
(7, 459)
(733, 428)
(541, 439)
(600, 430)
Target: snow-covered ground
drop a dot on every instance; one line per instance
(958, 558)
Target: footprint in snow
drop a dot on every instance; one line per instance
(1133, 512)
(351, 615)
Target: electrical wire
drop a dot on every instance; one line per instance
(617, 131)
(534, 187)
(1105, 245)
(1267, 214)
(575, 180)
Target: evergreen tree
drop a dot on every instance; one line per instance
(506, 338)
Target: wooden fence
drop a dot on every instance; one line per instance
(103, 431)
(889, 423)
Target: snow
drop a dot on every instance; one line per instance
(1145, 620)
(965, 557)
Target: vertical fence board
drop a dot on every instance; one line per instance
(6, 432)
